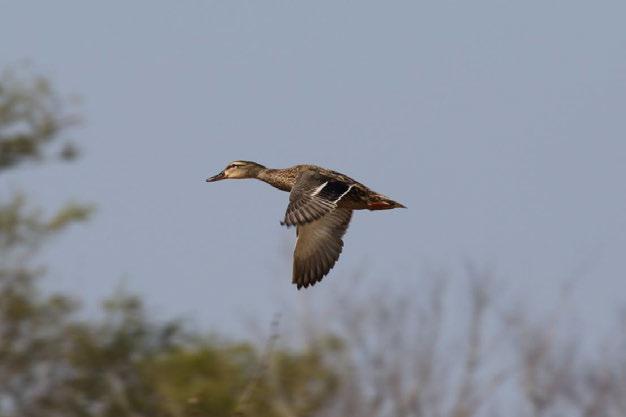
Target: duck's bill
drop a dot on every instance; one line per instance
(217, 177)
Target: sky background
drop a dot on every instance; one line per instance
(501, 125)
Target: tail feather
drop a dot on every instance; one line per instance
(380, 202)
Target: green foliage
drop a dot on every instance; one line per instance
(213, 379)
(205, 380)
(22, 227)
(31, 119)
(53, 363)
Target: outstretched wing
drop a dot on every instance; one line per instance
(318, 247)
(313, 196)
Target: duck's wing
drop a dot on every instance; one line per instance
(318, 247)
(313, 196)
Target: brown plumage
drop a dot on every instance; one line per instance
(321, 202)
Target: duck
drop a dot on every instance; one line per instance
(321, 202)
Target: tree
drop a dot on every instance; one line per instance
(30, 324)
(32, 119)
(52, 363)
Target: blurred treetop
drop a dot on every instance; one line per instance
(32, 119)
(54, 363)
(32, 128)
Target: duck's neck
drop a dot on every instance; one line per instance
(283, 179)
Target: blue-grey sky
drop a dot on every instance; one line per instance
(500, 124)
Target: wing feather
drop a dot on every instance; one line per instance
(318, 247)
(312, 197)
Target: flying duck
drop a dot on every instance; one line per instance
(321, 202)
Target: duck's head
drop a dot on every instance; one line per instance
(238, 170)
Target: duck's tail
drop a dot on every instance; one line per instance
(381, 202)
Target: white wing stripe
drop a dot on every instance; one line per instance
(341, 196)
(319, 189)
